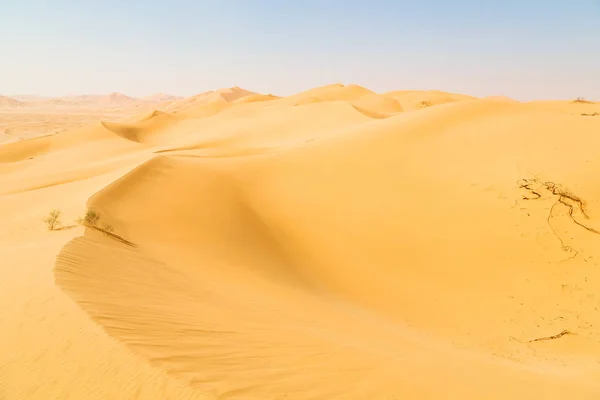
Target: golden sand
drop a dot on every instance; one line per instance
(334, 244)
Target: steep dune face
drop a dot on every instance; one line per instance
(145, 130)
(415, 255)
(376, 105)
(240, 127)
(95, 134)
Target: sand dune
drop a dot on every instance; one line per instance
(46, 116)
(333, 244)
(225, 95)
(7, 102)
(377, 105)
(417, 99)
(251, 98)
(103, 100)
(335, 92)
(160, 98)
(143, 130)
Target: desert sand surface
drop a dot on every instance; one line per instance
(333, 244)
(28, 116)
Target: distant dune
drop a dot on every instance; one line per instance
(333, 244)
(250, 98)
(160, 98)
(212, 98)
(8, 102)
(58, 102)
(30, 98)
(501, 98)
(112, 99)
(334, 92)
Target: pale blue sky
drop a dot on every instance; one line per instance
(523, 49)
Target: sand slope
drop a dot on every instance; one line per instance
(334, 244)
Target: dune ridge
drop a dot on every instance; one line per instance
(333, 244)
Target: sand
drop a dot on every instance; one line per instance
(333, 244)
(26, 116)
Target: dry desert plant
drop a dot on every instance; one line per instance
(53, 219)
(90, 218)
(107, 228)
(581, 100)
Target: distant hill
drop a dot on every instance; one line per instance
(112, 99)
(116, 99)
(8, 102)
(29, 98)
(160, 98)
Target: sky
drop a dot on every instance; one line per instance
(521, 49)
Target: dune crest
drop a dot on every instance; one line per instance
(335, 92)
(500, 98)
(214, 99)
(417, 99)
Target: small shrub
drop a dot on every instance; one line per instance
(107, 228)
(90, 218)
(425, 103)
(581, 100)
(53, 220)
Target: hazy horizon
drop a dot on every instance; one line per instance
(525, 51)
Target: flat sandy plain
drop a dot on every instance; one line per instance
(333, 244)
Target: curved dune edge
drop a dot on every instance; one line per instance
(410, 256)
(256, 341)
(144, 130)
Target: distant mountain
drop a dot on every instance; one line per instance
(8, 102)
(112, 99)
(160, 98)
(116, 99)
(29, 98)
